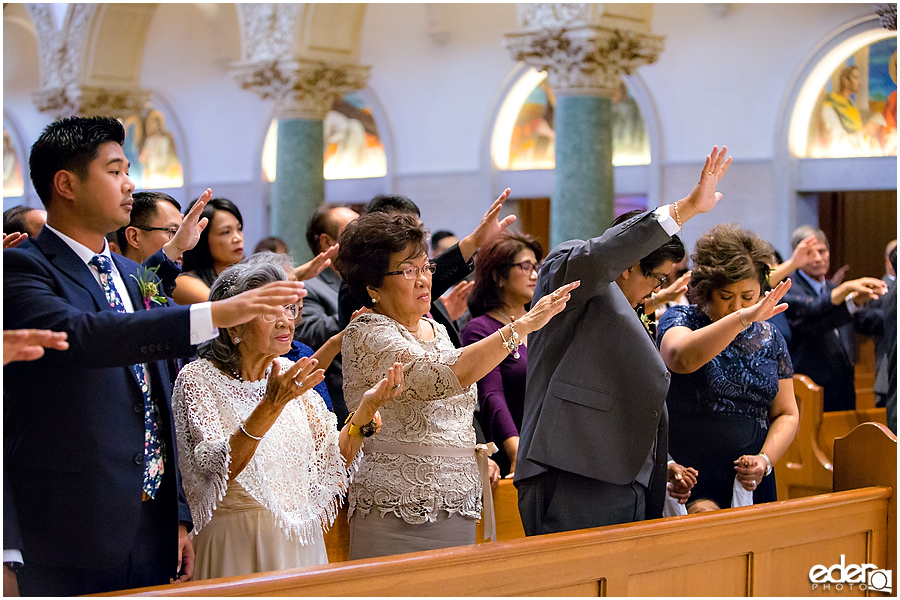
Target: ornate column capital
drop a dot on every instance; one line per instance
(84, 101)
(301, 89)
(584, 59)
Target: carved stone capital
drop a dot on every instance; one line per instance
(67, 101)
(300, 89)
(584, 59)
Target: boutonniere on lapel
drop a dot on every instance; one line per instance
(148, 283)
(648, 323)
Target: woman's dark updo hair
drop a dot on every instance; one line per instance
(366, 246)
(724, 255)
(494, 264)
(199, 259)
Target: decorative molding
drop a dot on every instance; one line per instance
(267, 30)
(66, 101)
(545, 15)
(300, 89)
(888, 15)
(585, 59)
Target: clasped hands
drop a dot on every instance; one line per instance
(750, 468)
(680, 480)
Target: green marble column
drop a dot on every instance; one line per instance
(583, 193)
(299, 186)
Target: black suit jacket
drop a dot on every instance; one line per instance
(74, 427)
(822, 342)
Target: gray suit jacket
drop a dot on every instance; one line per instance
(596, 386)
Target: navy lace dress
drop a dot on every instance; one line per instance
(721, 411)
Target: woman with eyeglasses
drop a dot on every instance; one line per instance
(505, 276)
(420, 482)
(732, 411)
(262, 462)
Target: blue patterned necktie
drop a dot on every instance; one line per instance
(153, 452)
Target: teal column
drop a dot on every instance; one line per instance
(299, 186)
(583, 192)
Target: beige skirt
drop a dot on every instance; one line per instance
(242, 538)
(374, 535)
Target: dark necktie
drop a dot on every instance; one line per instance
(153, 454)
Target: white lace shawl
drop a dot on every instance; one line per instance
(297, 472)
(432, 410)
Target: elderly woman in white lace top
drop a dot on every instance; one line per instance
(262, 461)
(418, 485)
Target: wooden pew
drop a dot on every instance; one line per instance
(765, 550)
(806, 469)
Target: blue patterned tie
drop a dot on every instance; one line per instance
(153, 451)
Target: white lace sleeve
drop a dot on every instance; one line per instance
(372, 343)
(203, 449)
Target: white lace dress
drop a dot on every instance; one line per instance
(432, 410)
(271, 516)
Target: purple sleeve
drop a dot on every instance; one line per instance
(496, 420)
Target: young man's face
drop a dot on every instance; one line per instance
(103, 197)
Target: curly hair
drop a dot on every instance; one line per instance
(724, 255)
(366, 246)
(494, 264)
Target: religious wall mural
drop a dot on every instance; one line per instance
(150, 148)
(13, 184)
(856, 113)
(533, 143)
(353, 147)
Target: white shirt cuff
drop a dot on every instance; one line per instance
(13, 556)
(851, 305)
(666, 220)
(202, 328)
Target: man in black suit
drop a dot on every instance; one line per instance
(89, 452)
(823, 345)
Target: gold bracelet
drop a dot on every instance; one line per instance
(677, 218)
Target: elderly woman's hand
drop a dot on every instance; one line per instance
(768, 306)
(383, 391)
(281, 388)
(546, 308)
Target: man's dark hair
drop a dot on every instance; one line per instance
(366, 246)
(14, 219)
(672, 250)
(199, 259)
(437, 236)
(893, 257)
(69, 144)
(387, 203)
(318, 224)
(271, 244)
(143, 211)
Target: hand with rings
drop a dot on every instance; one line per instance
(750, 470)
(383, 391)
(301, 377)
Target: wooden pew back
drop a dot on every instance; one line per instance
(758, 550)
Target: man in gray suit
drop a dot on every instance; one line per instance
(592, 449)
(319, 319)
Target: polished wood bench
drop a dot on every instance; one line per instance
(765, 550)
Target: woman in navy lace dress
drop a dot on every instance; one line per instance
(732, 412)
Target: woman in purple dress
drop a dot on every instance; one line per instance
(505, 276)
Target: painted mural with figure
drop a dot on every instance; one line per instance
(856, 112)
(353, 147)
(533, 143)
(13, 185)
(150, 148)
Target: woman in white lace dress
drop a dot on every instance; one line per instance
(418, 485)
(262, 462)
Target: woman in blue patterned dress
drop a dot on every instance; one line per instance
(732, 412)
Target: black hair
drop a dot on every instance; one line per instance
(672, 250)
(200, 259)
(69, 144)
(387, 203)
(320, 223)
(438, 235)
(14, 219)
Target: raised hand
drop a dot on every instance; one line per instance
(455, 300)
(547, 307)
(29, 344)
(387, 389)
(488, 229)
(189, 231)
(269, 299)
(322, 261)
(862, 289)
(673, 292)
(768, 306)
(704, 196)
(802, 253)
(303, 376)
(13, 239)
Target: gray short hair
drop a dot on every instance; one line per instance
(271, 258)
(804, 231)
(231, 282)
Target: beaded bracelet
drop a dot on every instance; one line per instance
(514, 340)
(678, 219)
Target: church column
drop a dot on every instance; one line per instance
(303, 93)
(585, 49)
